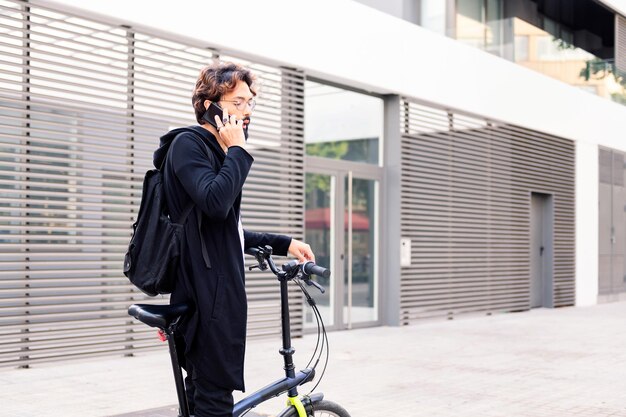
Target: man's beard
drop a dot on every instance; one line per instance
(246, 123)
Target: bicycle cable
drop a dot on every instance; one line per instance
(326, 344)
(311, 302)
(324, 336)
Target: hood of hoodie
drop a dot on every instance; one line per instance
(166, 141)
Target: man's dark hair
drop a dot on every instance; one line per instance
(217, 79)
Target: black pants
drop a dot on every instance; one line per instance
(206, 399)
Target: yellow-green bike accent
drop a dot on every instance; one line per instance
(297, 402)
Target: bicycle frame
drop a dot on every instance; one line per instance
(292, 379)
(287, 384)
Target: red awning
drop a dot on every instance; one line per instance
(319, 218)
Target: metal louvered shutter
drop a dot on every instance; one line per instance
(620, 43)
(82, 105)
(465, 203)
(612, 224)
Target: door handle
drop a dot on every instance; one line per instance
(349, 250)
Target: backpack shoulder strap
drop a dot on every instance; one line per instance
(206, 147)
(187, 211)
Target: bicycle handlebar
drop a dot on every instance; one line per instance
(310, 268)
(252, 251)
(263, 256)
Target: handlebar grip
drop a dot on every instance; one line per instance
(310, 268)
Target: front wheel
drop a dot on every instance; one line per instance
(321, 409)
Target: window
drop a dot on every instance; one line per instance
(342, 124)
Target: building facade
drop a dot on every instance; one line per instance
(441, 157)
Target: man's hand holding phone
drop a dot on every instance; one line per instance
(230, 130)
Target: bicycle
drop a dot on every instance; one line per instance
(167, 317)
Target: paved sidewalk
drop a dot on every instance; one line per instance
(563, 362)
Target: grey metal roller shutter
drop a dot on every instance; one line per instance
(82, 105)
(612, 222)
(466, 185)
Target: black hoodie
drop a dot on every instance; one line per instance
(215, 332)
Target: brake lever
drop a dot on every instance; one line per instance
(309, 281)
(261, 266)
(260, 255)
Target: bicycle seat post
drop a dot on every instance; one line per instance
(178, 374)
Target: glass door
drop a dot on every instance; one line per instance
(320, 233)
(361, 248)
(341, 225)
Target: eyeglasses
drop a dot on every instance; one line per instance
(241, 105)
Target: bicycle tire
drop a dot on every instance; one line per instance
(322, 409)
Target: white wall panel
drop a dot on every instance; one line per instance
(408, 60)
(587, 233)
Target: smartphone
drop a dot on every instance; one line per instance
(212, 111)
(215, 110)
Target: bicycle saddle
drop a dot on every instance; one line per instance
(161, 316)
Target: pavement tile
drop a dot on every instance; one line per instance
(542, 363)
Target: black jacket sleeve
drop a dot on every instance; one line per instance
(213, 192)
(279, 243)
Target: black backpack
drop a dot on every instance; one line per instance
(154, 249)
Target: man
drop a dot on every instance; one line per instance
(209, 167)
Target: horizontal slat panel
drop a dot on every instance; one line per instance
(82, 107)
(465, 204)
